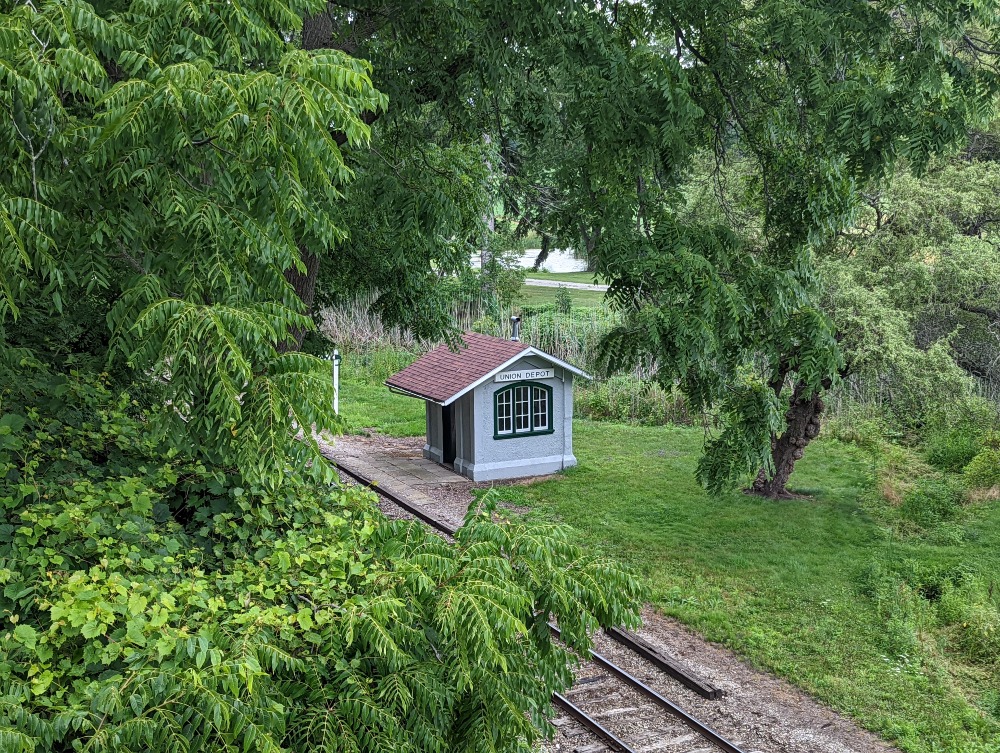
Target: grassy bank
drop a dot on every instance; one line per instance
(532, 295)
(789, 585)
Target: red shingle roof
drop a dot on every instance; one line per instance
(442, 373)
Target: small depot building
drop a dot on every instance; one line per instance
(496, 408)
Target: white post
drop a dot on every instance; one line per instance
(336, 382)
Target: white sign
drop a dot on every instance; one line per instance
(517, 376)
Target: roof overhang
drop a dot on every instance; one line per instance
(407, 393)
(527, 352)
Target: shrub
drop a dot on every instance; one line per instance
(162, 604)
(852, 423)
(894, 472)
(979, 632)
(932, 500)
(983, 471)
(564, 304)
(971, 606)
(952, 449)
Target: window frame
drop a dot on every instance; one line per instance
(531, 431)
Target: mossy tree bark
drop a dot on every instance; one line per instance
(802, 425)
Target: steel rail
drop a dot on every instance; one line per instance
(666, 704)
(607, 736)
(650, 653)
(702, 729)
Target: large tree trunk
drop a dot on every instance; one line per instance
(802, 426)
(321, 32)
(304, 285)
(542, 255)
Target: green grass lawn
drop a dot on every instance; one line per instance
(536, 296)
(781, 583)
(366, 403)
(778, 581)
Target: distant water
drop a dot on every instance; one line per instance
(559, 260)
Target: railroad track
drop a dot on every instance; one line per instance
(612, 708)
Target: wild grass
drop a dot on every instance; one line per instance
(573, 337)
(628, 398)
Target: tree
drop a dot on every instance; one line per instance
(471, 118)
(815, 102)
(176, 571)
(915, 289)
(171, 164)
(600, 114)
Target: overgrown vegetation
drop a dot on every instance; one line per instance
(178, 570)
(182, 181)
(151, 600)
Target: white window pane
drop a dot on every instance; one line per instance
(522, 421)
(504, 422)
(540, 409)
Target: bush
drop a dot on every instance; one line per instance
(983, 471)
(972, 608)
(952, 449)
(908, 593)
(932, 500)
(564, 304)
(855, 423)
(159, 603)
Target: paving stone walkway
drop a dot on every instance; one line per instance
(399, 467)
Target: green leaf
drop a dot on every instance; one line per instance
(26, 636)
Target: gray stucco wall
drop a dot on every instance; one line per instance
(513, 457)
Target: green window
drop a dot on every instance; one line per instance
(522, 409)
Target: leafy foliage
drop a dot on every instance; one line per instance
(914, 294)
(983, 470)
(175, 573)
(820, 101)
(150, 600)
(170, 159)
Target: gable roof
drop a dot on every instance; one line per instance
(442, 375)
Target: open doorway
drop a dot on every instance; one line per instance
(448, 430)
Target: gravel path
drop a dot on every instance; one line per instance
(761, 711)
(535, 282)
